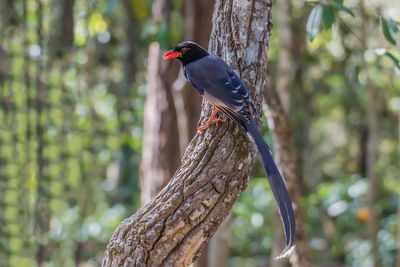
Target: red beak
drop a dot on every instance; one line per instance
(171, 54)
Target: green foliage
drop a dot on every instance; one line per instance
(67, 155)
(328, 16)
(394, 59)
(389, 29)
(314, 22)
(341, 7)
(326, 13)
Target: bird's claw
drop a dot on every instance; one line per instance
(207, 124)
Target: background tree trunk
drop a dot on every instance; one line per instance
(160, 154)
(398, 199)
(278, 102)
(172, 228)
(63, 33)
(42, 213)
(284, 72)
(283, 79)
(286, 160)
(372, 139)
(67, 23)
(398, 230)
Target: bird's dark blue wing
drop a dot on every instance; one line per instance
(221, 87)
(187, 76)
(238, 85)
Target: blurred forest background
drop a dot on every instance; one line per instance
(74, 78)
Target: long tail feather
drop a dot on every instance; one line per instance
(278, 188)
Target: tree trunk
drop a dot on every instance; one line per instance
(372, 139)
(398, 199)
(161, 154)
(286, 160)
(285, 56)
(42, 213)
(172, 228)
(282, 87)
(63, 34)
(67, 23)
(278, 102)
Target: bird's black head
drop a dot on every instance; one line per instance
(186, 52)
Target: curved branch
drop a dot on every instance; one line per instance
(171, 229)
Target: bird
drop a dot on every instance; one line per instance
(212, 77)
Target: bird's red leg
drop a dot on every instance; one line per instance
(210, 121)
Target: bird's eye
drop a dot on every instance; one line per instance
(183, 49)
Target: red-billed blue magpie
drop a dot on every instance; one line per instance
(219, 85)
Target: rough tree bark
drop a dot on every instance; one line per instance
(161, 154)
(372, 142)
(172, 228)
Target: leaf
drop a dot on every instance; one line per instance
(328, 16)
(395, 60)
(314, 22)
(343, 8)
(389, 30)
